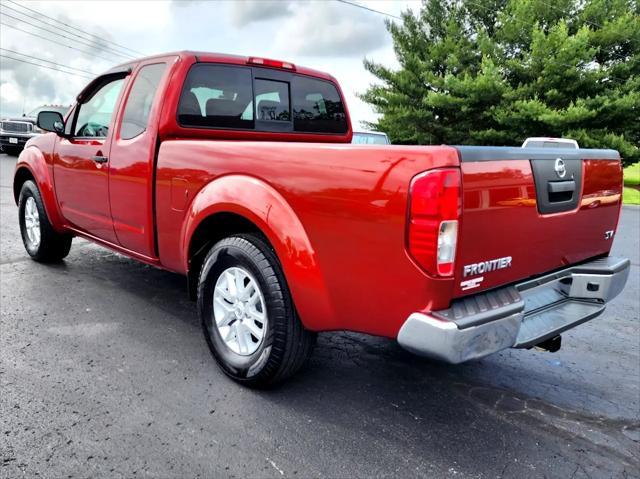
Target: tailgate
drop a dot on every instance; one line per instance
(528, 211)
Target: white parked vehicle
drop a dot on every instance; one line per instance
(548, 142)
(15, 132)
(370, 138)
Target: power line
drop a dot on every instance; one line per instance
(3, 55)
(46, 61)
(364, 7)
(85, 43)
(93, 42)
(75, 28)
(56, 42)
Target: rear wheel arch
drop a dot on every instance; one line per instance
(209, 231)
(253, 206)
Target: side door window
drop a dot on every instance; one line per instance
(140, 100)
(94, 115)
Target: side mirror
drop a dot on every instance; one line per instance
(51, 121)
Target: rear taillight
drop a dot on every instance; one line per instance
(434, 210)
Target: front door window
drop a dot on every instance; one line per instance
(95, 115)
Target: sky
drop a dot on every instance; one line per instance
(327, 35)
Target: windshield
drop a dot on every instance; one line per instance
(60, 109)
(370, 138)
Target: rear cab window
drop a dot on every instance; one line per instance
(272, 100)
(259, 99)
(317, 106)
(216, 96)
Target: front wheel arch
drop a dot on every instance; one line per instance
(47, 245)
(21, 176)
(33, 166)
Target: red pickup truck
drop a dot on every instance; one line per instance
(239, 174)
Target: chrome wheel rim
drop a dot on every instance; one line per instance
(32, 222)
(239, 311)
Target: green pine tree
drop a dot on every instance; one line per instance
(495, 72)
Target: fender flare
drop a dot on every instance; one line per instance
(33, 160)
(262, 205)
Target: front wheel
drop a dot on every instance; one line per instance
(41, 241)
(247, 313)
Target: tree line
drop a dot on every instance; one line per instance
(495, 72)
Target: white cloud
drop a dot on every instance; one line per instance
(324, 34)
(244, 12)
(332, 29)
(27, 86)
(110, 16)
(21, 90)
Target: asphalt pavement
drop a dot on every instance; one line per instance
(104, 372)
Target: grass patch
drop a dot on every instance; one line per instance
(631, 191)
(632, 175)
(630, 196)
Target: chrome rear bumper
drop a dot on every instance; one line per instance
(518, 316)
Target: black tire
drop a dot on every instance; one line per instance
(12, 150)
(286, 344)
(53, 246)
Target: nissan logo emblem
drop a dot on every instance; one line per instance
(560, 169)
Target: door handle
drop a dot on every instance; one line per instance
(561, 186)
(100, 159)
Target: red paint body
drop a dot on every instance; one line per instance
(335, 213)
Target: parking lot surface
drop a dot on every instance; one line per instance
(104, 372)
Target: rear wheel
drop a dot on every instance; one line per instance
(40, 240)
(247, 313)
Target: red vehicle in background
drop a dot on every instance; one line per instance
(239, 174)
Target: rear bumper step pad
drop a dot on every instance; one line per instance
(518, 316)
